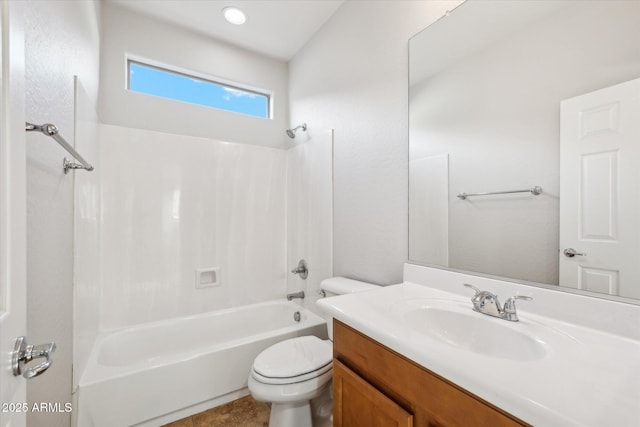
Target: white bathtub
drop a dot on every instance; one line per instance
(158, 372)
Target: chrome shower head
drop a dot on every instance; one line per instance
(291, 133)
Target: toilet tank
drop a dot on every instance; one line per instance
(341, 286)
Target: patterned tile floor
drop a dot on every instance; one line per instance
(244, 412)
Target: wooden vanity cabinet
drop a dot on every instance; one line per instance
(375, 386)
(361, 404)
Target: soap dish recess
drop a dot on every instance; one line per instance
(207, 277)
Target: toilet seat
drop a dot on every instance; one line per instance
(293, 361)
(288, 393)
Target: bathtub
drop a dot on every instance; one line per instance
(158, 372)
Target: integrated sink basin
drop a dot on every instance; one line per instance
(468, 330)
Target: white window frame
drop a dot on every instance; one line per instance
(145, 62)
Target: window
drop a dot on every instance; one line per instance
(179, 86)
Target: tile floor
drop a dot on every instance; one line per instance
(244, 412)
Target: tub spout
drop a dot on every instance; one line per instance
(295, 295)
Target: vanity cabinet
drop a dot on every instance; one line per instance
(375, 386)
(361, 404)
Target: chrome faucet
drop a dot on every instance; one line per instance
(487, 303)
(295, 295)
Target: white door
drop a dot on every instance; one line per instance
(600, 190)
(12, 212)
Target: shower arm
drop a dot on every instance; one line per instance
(52, 131)
(291, 133)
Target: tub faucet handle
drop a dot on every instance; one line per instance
(301, 269)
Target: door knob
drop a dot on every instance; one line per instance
(23, 354)
(570, 253)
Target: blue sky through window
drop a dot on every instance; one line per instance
(168, 84)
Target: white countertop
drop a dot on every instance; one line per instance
(587, 377)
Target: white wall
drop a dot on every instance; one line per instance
(175, 203)
(126, 32)
(62, 40)
(352, 77)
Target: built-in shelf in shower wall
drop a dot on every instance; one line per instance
(175, 203)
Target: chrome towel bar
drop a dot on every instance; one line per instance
(533, 190)
(52, 131)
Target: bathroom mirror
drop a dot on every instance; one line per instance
(486, 85)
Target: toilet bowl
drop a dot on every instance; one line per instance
(293, 372)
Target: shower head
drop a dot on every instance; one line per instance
(292, 132)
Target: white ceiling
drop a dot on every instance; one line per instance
(276, 28)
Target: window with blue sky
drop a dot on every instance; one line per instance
(182, 87)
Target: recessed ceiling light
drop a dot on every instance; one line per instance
(234, 15)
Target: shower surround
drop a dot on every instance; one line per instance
(173, 204)
(169, 205)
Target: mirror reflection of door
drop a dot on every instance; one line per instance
(600, 190)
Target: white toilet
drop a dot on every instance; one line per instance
(291, 373)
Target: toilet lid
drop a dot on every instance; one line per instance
(293, 359)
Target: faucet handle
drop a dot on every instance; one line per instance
(472, 287)
(511, 302)
(509, 308)
(485, 302)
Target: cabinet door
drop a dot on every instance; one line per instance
(357, 403)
